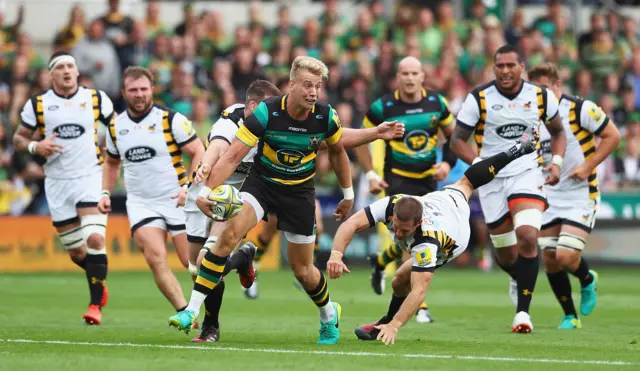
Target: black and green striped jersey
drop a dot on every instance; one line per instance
(413, 155)
(287, 148)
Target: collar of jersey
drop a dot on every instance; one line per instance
(69, 97)
(138, 120)
(508, 95)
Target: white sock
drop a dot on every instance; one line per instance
(327, 312)
(197, 298)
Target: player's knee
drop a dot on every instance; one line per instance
(155, 256)
(96, 242)
(229, 238)
(569, 249)
(528, 238)
(301, 272)
(527, 225)
(400, 286)
(94, 229)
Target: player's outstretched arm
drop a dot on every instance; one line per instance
(356, 223)
(420, 282)
(352, 138)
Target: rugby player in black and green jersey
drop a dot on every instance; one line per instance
(289, 129)
(410, 165)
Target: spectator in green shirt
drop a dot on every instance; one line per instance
(601, 58)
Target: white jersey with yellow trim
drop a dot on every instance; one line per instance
(444, 229)
(76, 122)
(582, 120)
(149, 147)
(500, 119)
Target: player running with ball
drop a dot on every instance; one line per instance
(290, 129)
(433, 229)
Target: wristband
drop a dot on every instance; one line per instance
(476, 160)
(558, 160)
(105, 193)
(337, 252)
(32, 147)
(186, 186)
(348, 193)
(204, 192)
(371, 174)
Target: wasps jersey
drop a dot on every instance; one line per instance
(149, 147)
(583, 120)
(287, 148)
(443, 233)
(413, 155)
(75, 122)
(500, 119)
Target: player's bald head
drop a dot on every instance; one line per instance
(409, 63)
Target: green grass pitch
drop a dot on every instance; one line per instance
(41, 327)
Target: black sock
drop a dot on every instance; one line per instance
(394, 306)
(508, 268)
(582, 273)
(236, 261)
(96, 272)
(561, 287)
(526, 272)
(181, 309)
(212, 305)
(80, 263)
(484, 171)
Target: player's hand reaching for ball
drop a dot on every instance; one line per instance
(390, 130)
(335, 265)
(343, 210)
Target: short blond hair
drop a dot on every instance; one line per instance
(310, 64)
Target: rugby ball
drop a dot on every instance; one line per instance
(228, 201)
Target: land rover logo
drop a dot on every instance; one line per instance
(417, 140)
(139, 154)
(511, 131)
(68, 131)
(289, 157)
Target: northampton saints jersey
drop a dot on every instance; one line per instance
(287, 147)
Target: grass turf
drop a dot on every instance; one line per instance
(41, 326)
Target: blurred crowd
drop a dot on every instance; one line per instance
(200, 68)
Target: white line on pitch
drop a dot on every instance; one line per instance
(325, 352)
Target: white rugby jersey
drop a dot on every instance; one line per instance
(435, 220)
(499, 120)
(225, 128)
(75, 121)
(149, 148)
(582, 120)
